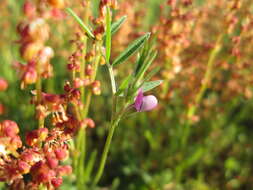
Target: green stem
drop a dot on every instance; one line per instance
(82, 133)
(85, 41)
(81, 137)
(106, 150)
(39, 93)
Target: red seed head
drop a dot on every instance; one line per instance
(89, 122)
(10, 128)
(32, 138)
(29, 9)
(52, 162)
(56, 182)
(64, 170)
(61, 153)
(30, 76)
(42, 133)
(23, 167)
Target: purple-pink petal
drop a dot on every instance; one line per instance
(148, 103)
(138, 100)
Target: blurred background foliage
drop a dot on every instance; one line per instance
(148, 152)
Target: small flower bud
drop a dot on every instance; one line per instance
(99, 32)
(29, 77)
(67, 87)
(52, 162)
(3, 84)
(9, 128)
(76, 94)
(102, 61)
(61, 153)
(30, 51)
(64, 170)
(32, 138)
(89, 56)
(89, 70)
(23, 167)
(56, 182)
(96, 87)
(42, 134)
(88, 122)
(78, 83)
(29, 9)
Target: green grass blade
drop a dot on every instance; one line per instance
(80, 22)
(131, 49)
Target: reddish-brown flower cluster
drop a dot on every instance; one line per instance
(74, 66)
(186, 38)
(131, 29)
(34, 32)
(40, 160)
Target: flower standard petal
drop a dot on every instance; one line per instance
(148, 103)
(138, 100)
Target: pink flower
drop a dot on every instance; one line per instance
(145, 103)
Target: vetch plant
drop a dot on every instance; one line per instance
(63, 120)
(131, 89)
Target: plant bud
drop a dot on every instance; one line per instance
(89, 122)
(61, 153)
(89, 70)
(99, 32)
(96, 87)
(52, 162)
(71, 66)
(102, 61)
(30, 76)
(9, 128)
(3, 84)
(30, 51)
(64, 170)
(29, 9)
(56, 182)
(23, 167)
(78, 83)
(39, 30)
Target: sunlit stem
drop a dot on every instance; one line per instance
(39, 92)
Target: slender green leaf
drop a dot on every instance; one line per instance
(151, 73)
(116, 25)
(108, 34)
(146, 65)
(147, 86)
(80, 22)
(144, 55)
(123, 85)
(131, 49)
